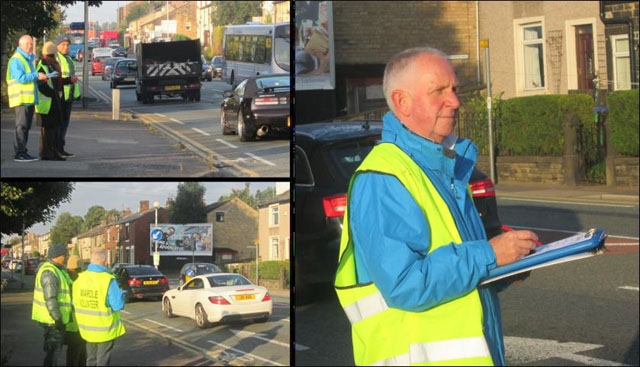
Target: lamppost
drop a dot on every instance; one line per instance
(156, 256)
(255, 243)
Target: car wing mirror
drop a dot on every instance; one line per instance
(227, 93)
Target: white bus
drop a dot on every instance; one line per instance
(251, 49)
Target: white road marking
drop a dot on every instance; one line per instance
(226, 143)
(161, 324)
(506, 197)
(200, 131)
(299, 347)
(249, 334)
(159, 114)
(629, 288)
(574, 232)
(260, 159)
(526, 350)
(178, 121)
(245, 353)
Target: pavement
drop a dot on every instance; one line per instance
(104, 147)
(21, 339)
(589, 193)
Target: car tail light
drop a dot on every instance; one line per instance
(118, 72)
(334, 206)
(266, 297)
(134, 282)
(218, 300)
(482, 188)
(261, 101)
(164, 281)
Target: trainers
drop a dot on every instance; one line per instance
(24, 157)
(66, 154)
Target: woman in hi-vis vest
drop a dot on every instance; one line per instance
(49, 108)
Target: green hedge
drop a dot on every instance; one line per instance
(269, 270)
(623, 121)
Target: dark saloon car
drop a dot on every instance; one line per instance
(326, 155)
(124, 72)
(120, 52)
(141, 281)
(207, 70)
(108, 67)
(259, 105)
(190, 270)
(216, 65)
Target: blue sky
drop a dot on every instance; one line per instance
(107, 12)
(121, 195)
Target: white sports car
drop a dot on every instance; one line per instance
(217, 298)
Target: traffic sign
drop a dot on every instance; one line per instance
(156, 234)
(77, 26)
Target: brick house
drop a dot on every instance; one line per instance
(89, 240)
(274, 227)
(235, 229)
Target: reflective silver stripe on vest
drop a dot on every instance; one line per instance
(100, 328)
(93, 313)
(61, 304)
(39, 289)
(445, 350)
(366, 307)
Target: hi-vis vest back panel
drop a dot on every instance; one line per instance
(449, 334)
(96, 321)
(44, 102)
(66, 66)
(20, 94)
(39, 312)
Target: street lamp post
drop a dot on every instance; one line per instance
(255, 243)
(156, 256)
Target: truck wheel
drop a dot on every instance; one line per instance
(138, 97)
(198, 96)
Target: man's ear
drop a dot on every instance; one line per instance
(401, 101)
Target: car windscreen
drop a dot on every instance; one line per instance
(228, 280)
(346, 156)
(207, 268)
(142, 270)
(273, 82)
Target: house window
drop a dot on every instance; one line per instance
(621, 66)
(219, 216)
(274, 255)
(188, 26)
(532, 56)
(273, 215)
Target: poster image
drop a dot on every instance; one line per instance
(314, 45)
(183, 239)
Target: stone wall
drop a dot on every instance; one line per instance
(626, 169)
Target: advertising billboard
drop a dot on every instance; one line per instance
(314, 56)
(182, 239)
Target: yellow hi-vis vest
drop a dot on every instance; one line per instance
(20, 94)
(44, 102)
(448, 334)
(97, 322)
(66, 66)
(40, 312)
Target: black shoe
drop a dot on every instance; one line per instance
(67, 154)
(54, 158)
(24, 157)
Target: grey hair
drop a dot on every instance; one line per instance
(99, 256)
(399, 64)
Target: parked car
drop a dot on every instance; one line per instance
(207, 71)
(216, 65)
(32, 265)
(327, 154)
(190, 270)
(16, 265)
(120, 52)
(124, 72)
(97, 64)
(116, 266)
(218, 298)
(108, 67)
(257, 106)
(141, 281)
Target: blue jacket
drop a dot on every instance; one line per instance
(115, 299)
(16, 68)
(391, 234)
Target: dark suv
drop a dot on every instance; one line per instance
(326, 155)
(141, 281)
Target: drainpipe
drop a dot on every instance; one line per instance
(478, 43)
(632, 53)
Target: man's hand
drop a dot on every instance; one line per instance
(513, 245)
(42, 76)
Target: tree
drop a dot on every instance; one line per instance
(27, 203)
(66, 227)
(235, 12)
(94, 216)
(138, 11)
(188, 206)
(242, 194)
(263, 196)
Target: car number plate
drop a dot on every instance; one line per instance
(172, 87)
(244, 297)
(150, 282)
(288, 121)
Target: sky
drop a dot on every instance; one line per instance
(121, 195)
(107, 12)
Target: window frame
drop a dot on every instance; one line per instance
(519, 25)
(615, 55)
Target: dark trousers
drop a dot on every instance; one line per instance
(24, 118)
(66, 116)
(76, 349)
(49, 142)
(53, 339)
(99, 354)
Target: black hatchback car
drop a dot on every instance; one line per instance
(190, 270)
(259, 105)
(124, 72)
(141, 281)
(326, 155)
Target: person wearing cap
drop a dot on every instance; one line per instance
(49, 107)
(97, 301)
(52, 302)
(22, 92)
(70, 85)
(76, 346)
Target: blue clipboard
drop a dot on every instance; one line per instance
(579, 246)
